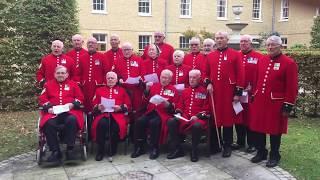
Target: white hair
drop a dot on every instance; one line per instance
(194, 40)
(209, 41)
(178, 52)
(57, 42)
(275, 39)
(159, 33)
(167, 72)
(76, 36)
(92, 39)
(223, 33)
(111, 73)
(246, 37)
(196, 72)
(127, 44)
(61, 67)
(116, 36)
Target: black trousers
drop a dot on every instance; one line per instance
(151, 120)
(275, 141)
(226, 140)
(244, 133)
(107, 127)
(64, 123)
(175, 137)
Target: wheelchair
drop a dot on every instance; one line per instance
(81, 143)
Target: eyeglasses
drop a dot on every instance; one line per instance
(157, 36)
(194, 44)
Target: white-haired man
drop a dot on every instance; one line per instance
(77, 51)
(48, 64)
(225, 78)
(274, 96)
(208, 46)
(115, 52)
(156, 117)
(166, 50)
(194, 106)
(195, 59)
(250, 59)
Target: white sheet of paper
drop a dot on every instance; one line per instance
(244, 98)
(179, 87)
(157, 99)
(60, 109)
(108, 104)
(237, 107)
(133, 80)
(151, 78)
(180, 117)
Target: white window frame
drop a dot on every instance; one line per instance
(317, 12)
(144, 44)
(99, 41)
(257, 10)
(225, 17)
(188, 11)
(185, 44)
(284, 42)
(104, 11)
(150, 8)
(283, 7)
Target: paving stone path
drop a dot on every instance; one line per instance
(123, 167)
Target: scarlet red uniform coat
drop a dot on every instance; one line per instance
(130, 67)
(225, 71)
(168, 92)
(92, 74)
(76, 54)
(150, 66)
(250, 63)
(166, 52)
(62, 93)
(191, 102)
(277, 84)
(121, 97)
(180, 74)
(49, 64)
(112, 56)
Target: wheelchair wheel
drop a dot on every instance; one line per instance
(39, 157)
(84, 155)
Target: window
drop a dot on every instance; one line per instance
(185, 8)
(222, 9)
(144, 7)
(256, 10)
(144, 40)
(284, 16)
(99, 6)
(101, 39)
(183, 42)
(284, 42)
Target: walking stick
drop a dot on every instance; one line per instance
(110, 141)
(215, 119)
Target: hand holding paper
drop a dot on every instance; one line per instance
(60, 109)
(157, 99)
(237, 107)
(151, 78)
(133, 80)
(108, 104)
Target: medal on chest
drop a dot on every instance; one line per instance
(63, 61)
(252, 60)
(276, 66)
(115, 91)
(97, 62)
(200, 95)
(180, 73)
(168, 92)
(225, 57)
(134, 64)
(66, 87)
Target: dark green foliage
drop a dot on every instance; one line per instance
(315, 33)
(28, 28)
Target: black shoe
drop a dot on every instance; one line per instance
(99, 156)
(138, 151)
(175, 154)
(259, 157)
(226, 151)
(251, 149)
(272, 163)
(70, 155)
(55, 157)
(194, 155)
(154, 153)
(236, 146)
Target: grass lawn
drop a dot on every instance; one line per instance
(300, 148)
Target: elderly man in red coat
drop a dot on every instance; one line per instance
(162, 98)
(129, 69)
(91, 72)
(77, 50)
(250, 59)
(115, 52)
(195, 59)
(208, 46)
(180, 78)
(153, 65)
(166, 50)
(110, 121)
(194, 107)
(274, 96)
(60, 101)
(50, 62)
(225, 79)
